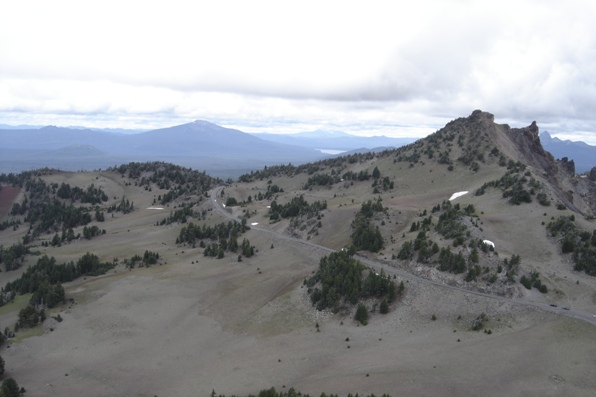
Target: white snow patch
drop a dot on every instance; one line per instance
(224, 205)
(488, 242)
(456, 195)
(268, 206)
(254, 223)
(155, 208)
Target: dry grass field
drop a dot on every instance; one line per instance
(193, 324)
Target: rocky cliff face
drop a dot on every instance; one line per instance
(577, 193)
(523, 144)
(528, 144)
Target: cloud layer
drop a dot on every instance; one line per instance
(382, 67)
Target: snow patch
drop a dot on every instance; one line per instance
(155, 208)
(456, 195)
(254, 223)
(488, 242)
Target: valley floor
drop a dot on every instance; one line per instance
(193, 324)
(187, 328)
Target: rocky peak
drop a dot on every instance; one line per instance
(527, 142)
(592, 175)
(479, 115)
(568, 165)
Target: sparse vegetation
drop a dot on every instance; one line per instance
(290, 393)
(261, 301)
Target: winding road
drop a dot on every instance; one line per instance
(569, 312)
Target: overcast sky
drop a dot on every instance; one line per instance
(397, 68)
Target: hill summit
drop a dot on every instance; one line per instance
(476, 141)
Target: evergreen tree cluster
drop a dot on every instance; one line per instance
(125, 206)
(10, 388)
(581, 244)
(13, 256)
(321, 180)
(217, 239)
(533, 281)
(91, 195)
(449, 224)
(365, 235)
(30, 316)
(179, 181)
(218, 249)
(298, 206)
(149, 258)
(311, 168)
(56, 216)
(339, 282)
(513, 185)
(181, 215)
(268, 172)
(92, 231)
(43, 280)
(271, 190)
(452, 262)
(14, 223)
(45, 210)
(192, 232)
(66, 237)
(46, 270)
(363, 175)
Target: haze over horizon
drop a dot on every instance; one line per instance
(388, 68)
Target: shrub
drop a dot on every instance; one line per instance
(361, 314)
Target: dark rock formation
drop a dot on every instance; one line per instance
(568, 165)
(592, 176)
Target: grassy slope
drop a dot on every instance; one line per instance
(195, 324)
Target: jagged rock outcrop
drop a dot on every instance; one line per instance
(593, 174)
(568, 165)
(523, 144)
(528, 144)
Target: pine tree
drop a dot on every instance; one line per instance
(361, 314)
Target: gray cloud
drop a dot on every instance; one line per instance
(378, 68)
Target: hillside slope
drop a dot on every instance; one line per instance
(186, 309)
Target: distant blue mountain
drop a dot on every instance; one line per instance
(335, 140)
(201, 145)
(582, 154)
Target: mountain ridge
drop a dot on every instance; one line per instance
(582, 154)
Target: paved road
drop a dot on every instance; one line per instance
(569, 312)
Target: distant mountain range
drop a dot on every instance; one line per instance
(582, 154)
(201, 145)
(335, 140)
